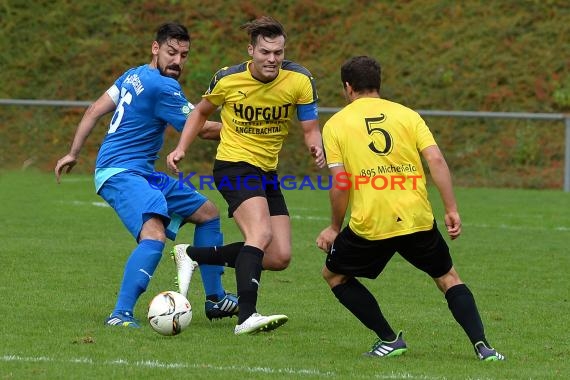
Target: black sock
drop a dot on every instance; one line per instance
(360, 302)
(225, 255)
(461, 302)
(248, 274)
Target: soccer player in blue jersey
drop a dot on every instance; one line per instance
(145, 100)
(259, 99)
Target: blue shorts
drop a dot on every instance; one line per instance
(136, 199)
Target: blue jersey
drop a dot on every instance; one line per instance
(147, 102)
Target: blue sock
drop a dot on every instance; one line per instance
(208, 234)
(137, 274)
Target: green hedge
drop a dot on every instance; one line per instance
(476, 56)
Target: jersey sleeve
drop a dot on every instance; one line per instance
(115, 90)
(308, 93)
(215, 92)
(304, 81)
(114, 93)
(307, 112)
(172, 105)
(424, 137)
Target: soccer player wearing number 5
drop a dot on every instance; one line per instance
(258, 100)
(374, 133)
(145, 100)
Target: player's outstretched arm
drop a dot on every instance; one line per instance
(94, 112)
(314, 141)
(339, 196)
(442, 178)
(192, 128)
(211, 130)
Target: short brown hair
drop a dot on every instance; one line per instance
(362, 73)
(264, 26)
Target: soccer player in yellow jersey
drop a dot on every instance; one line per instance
(373, 149)
(258, 98)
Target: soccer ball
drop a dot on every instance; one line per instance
(169, 313)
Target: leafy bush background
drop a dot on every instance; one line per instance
(444, 55)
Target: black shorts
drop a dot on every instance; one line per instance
(239, 181)
(354, 256)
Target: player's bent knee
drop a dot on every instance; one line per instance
(153, 229)
(282, 263)
(276, 262)
(448, 280)
(208, 211)
(153, 235)
(333, 279)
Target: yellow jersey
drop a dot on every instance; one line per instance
(378, 143)
(256, 116)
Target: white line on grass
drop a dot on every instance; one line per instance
(403, 375)
(400, 375)
(85, 203)
(310, 217)
(157, 364)
(314, 217)
(77, 179)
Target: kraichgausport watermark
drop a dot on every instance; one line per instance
(342, 181)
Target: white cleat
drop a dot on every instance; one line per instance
(185, 267)
(257, 323)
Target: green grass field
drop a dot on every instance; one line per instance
(62, 254)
